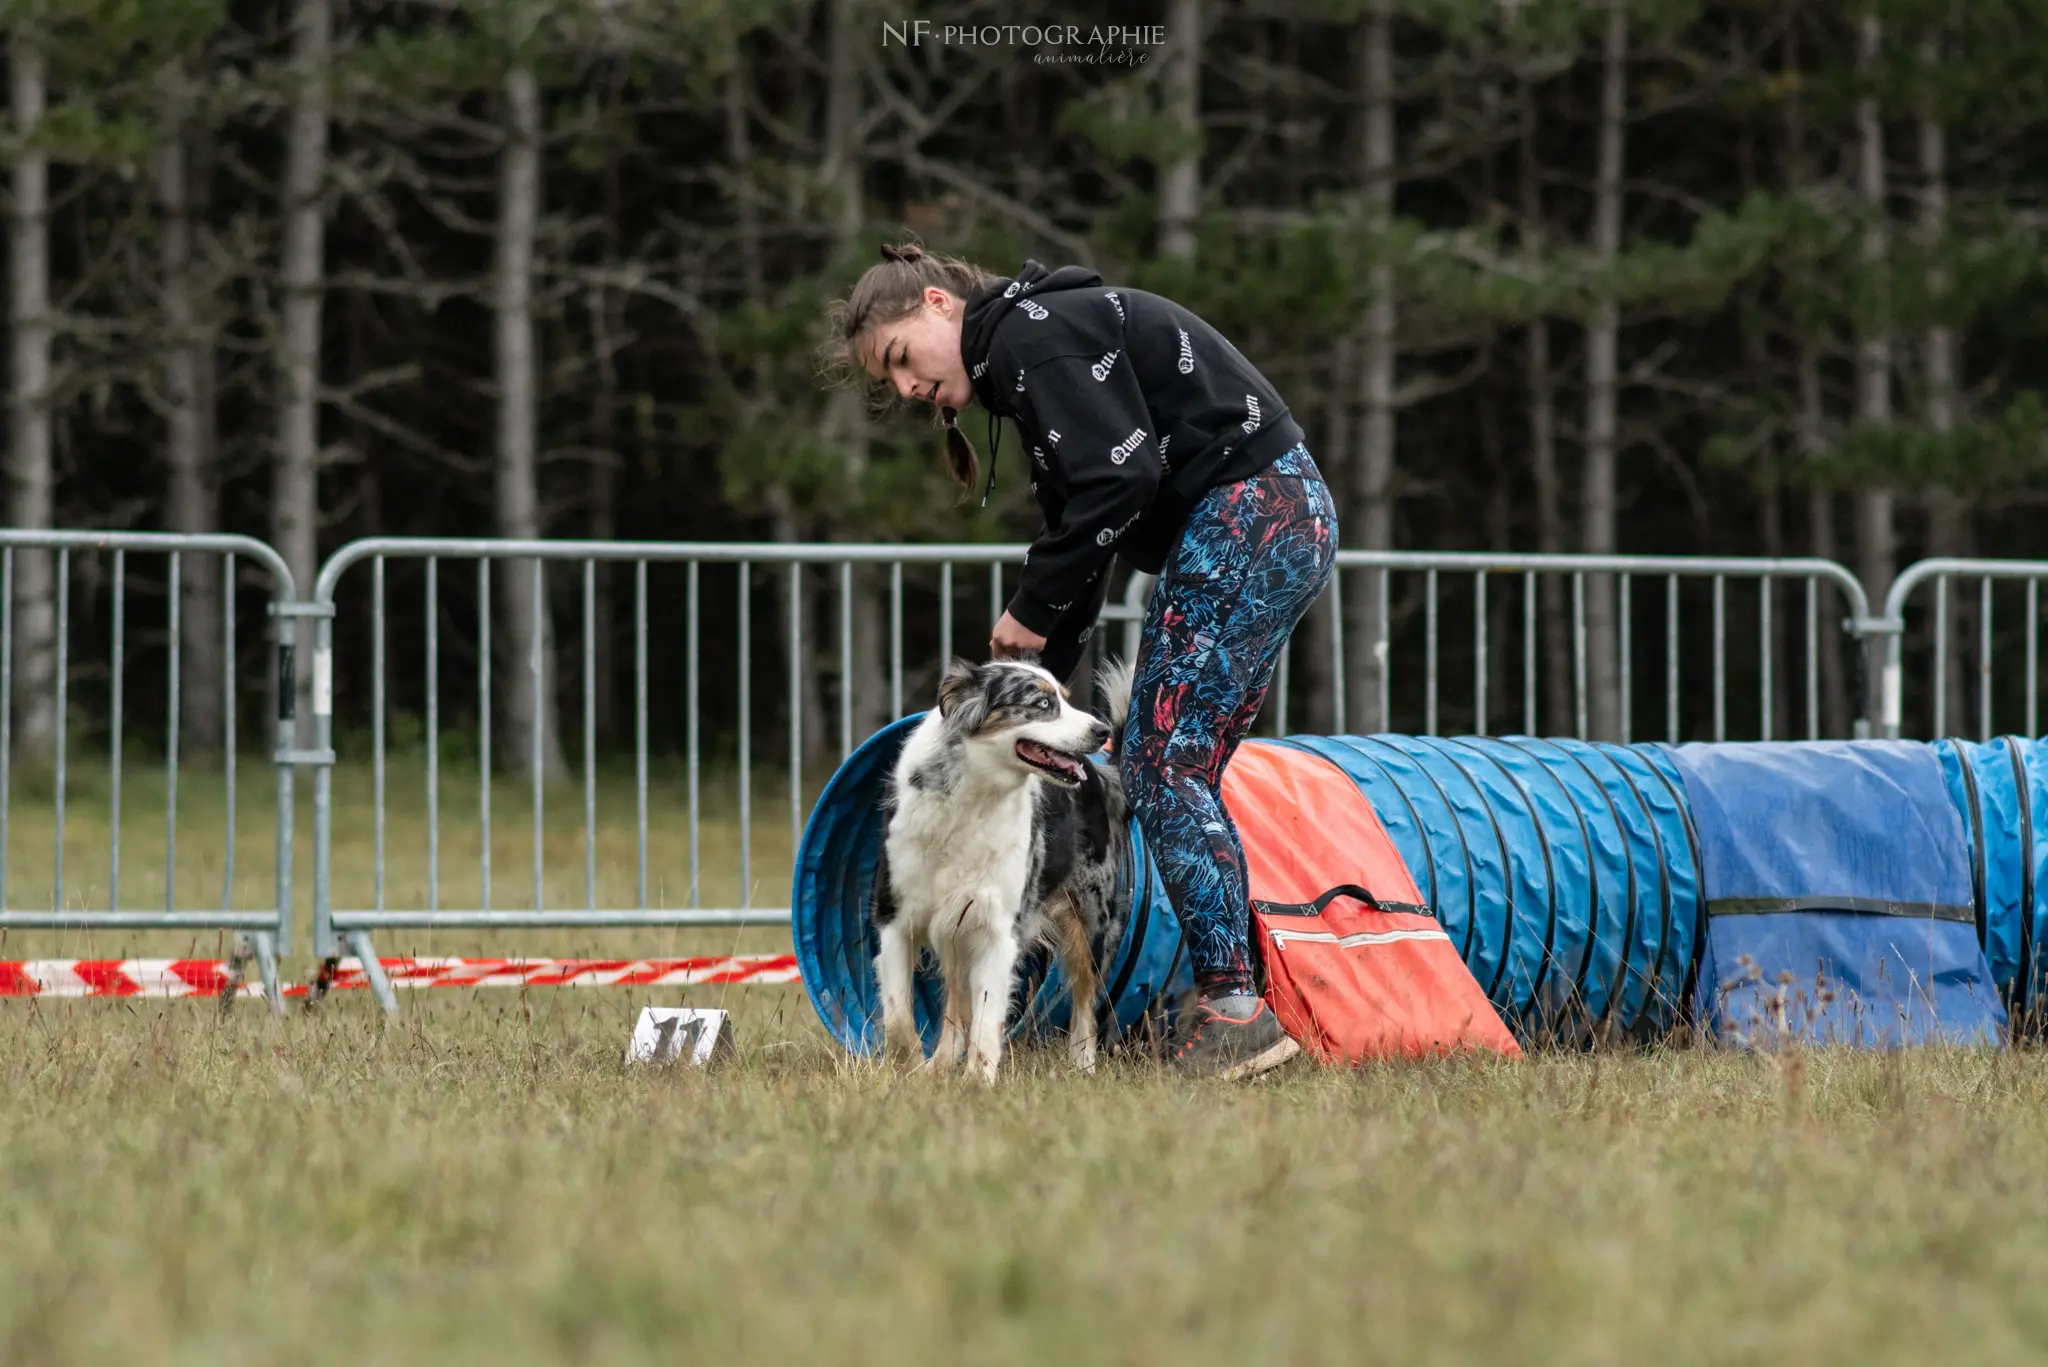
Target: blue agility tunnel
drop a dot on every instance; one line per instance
(1580, 889)
(835, 945)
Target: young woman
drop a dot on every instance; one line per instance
(1151, 438)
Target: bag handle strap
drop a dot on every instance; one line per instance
(1351, 890)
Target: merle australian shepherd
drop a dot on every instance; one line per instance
(1001, 835)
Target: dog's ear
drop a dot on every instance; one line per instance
(959, 681)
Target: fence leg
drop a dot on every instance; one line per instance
(266, 968)
(380, 986)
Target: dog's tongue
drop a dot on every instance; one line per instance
(1051, 757)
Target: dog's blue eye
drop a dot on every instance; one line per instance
(1045, 704)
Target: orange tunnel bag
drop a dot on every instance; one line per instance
(1356, 968)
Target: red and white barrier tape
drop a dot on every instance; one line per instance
(206, 977)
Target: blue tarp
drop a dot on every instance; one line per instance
(1839, 897)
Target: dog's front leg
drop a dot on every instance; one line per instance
(988, 981)
(959, 998)
(895, 968)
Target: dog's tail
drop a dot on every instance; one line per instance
(1115, 682)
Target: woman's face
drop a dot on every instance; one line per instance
(919, 353)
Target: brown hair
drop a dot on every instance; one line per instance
(890, 289)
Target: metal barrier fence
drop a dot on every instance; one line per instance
(1689, 601)
(918, 639)
(336, 926)
(40, 568)
(1959, 691)
(403, 634)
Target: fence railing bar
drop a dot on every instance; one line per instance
(377, 705)
(746, 741)
(1941, 656)
(1579, 699)
(483, 750)
(537, 720)
(945, 613)
(1529, 652)
(1984, 659)
(227, 655)
(1340, 684)
(433, 733)
(63, 716)
(590, 731)
(845, 659)
(1480, 627)
(1429, 653)
(1625, 625)
(1813, 659)
(1672, 727)
(118, 725)
(640, 722)
(171, 745)
(693, 685)
(1720, 657)
(796, 705)
(2033, 657)
(6, 705)
(895, 639)
(1766, 642)
(1382, 651)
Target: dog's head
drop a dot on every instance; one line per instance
(1013, 717)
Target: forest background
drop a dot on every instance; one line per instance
(1644, 276)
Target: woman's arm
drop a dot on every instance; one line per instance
(1100, 433)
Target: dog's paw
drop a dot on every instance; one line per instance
(1083, 1059)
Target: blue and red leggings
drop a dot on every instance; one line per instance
(1254, 556)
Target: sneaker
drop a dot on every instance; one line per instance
(1231, 1037)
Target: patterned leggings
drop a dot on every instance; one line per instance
(1253, 557)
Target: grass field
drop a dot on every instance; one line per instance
(483, 1181)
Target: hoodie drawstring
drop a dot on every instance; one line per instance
(995, 444)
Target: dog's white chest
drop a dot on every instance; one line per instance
(959, 865)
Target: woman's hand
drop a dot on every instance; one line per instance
(1011, 638)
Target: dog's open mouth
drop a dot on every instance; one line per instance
(1060, 768)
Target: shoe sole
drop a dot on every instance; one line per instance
(1265, 1061)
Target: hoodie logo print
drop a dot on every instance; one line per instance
(1187, 353)
(1020, 382)
(1109, 534)
(1100, 370)
(1251, 405)
(1038, 459)
(1039, 313)
(1052, 438)
(1011, 293)
(980, 369)
(1121, 452)
(1118, 305)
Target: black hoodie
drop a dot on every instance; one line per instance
(1131, 408)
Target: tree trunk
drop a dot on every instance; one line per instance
(528, 637)
(1180, 181)
(862, 676)
(1553, 627)
(1948, 510)
(1876, 538)
(1372, 469)
(1313, 678)
(1812, 429)
(1597, 498)
(295, 485)
(193, 494)
(31, 496)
